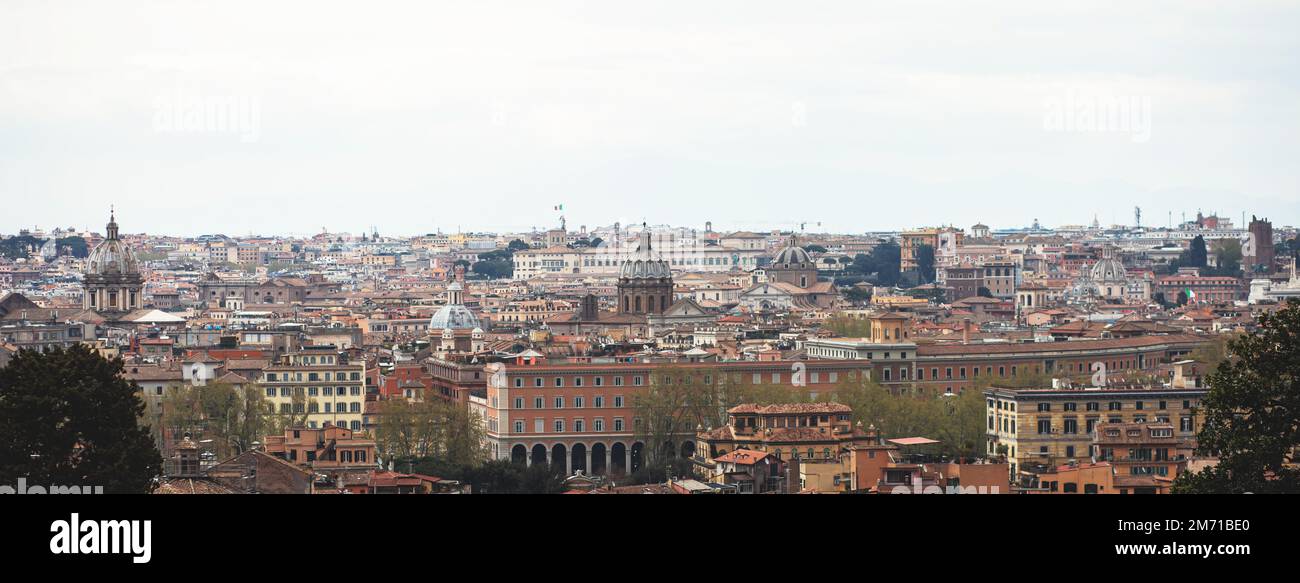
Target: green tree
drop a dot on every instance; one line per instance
(447, 433)
(75, 246)
(1251, 412)
(494, 269)
(925, 262)
(1196, 255)
(231, 417)
(67, 417)
(517, 245)
(1227, 254)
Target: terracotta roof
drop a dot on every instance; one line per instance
(1074, 345)
(789, 408)
(744, 457)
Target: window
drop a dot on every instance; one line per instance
(618, 401)
(618, 424)
(1044, 426)
(519, 426)
(537, 381)
(559, 381)
(598, 424)
(578, 402)
(519, 402)
(559, 402)
(1042, 407)
(598, 402)
(578, 425)
(538, 425)
(537, 403)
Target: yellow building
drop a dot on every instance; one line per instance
(319, 383)
(1046, 427)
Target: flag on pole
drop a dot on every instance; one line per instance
(559, 207)
(1191, 295)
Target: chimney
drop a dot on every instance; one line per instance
(965, 331)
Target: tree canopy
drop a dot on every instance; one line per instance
(68, 418)
(1251, 420)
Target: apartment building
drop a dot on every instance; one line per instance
(1041, 428)
(318, 382)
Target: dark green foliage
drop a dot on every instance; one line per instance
(883, 262)
(67, 417)
(1252, 412)
(925, 262)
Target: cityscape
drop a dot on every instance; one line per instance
(1017, 359)
(333, 286)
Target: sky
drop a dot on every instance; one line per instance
(254, 117)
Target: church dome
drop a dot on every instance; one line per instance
(453, 317)
(792, 256)
(1108, 269)
(644, 265)
(112, 257)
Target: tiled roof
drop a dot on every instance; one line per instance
(790, 408)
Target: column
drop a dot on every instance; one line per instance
(568, 462)
(587, 468)
(609, 459)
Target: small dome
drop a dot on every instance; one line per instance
(792, 255)
(453, 317)
(1109, 269)
(644, 265)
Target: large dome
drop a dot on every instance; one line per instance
(644, 265)
(1109, 269)
(453, 317)
(112, 257)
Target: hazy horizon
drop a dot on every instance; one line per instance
(244, 117)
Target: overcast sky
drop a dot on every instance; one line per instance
(286, 117)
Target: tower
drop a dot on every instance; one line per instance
(1258, 253)
(112, 285)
